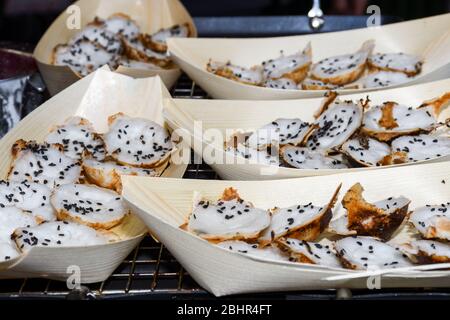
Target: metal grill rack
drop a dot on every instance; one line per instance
(151, 272)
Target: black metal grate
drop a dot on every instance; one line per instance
(150, 271)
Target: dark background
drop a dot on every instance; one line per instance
(26, 20)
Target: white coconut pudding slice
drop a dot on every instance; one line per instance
(135, 50)
(311, 252)
(96, 33)
(303, 158)
(427, 251)
(366, 151)
(335, 126)
(227, 70)
(12, 218)
(137, 142)
(419, 148)
(229, 218)
(107, 174)
(433, 222)
(294, 67)
(267, 253)
(42, 163)
(384, 79)
(380, 219)
(392, 120)
(282, 83)
(8, 251)
(343, 69)
(122, 25)
(158, 40)
(314, 84)
(303, 222)
(32, 198)
(280, 132)
(254, 156)
(398, 62)
(95, 207)
(78, 138)
(83, 57)
(60, 234)
(366, 253)
(340, 225)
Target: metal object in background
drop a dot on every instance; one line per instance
(315, 16)
(273, 26)
(21, 87)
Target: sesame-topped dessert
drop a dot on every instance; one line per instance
(97, 32)
(158, 40)
(379, 219)
(83, 57)
(60, 234)
(42, 163)
(253, 76)
(78, 138)
(349, 134)
(427, 251)
(432, 221)
(396, 62)
(296, 71)
(285, 131)
(30, 197)
(366, 151)
(137, 142)
(423, 147)
(116, 41)
(317, 253)
(281, 83)
(390, 120)
(363, 253)
(229, 218)
(305, 158)
(266, 253)
(343, 69)
(107, 174)
(95, 207)
(120, 24)
(12, 218)
(381, 79)
(294, 67)
(336, 125)
(358, 235)
(300, 221)
(66, 191)
(314, 84)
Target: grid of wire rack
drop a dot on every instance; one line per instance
(150, 271)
